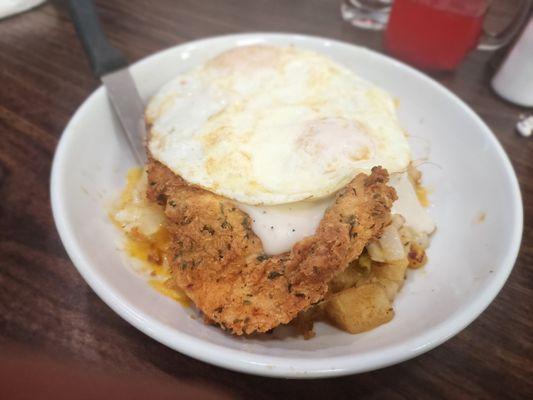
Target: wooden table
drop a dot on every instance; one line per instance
(47, 309)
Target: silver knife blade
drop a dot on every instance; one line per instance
(129, 108)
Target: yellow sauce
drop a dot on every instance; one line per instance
(132, 178)
(167, 289)
(422, 193)
(151, 250)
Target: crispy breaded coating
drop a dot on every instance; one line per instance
(219, 262)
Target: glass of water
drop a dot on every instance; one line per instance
(367, 14)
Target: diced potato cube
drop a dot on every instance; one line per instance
(360, 308)
(375, 252)
(348, 278)
(391, 287)
(416, 256)
(364, 261)
(390, 275)
(395, 271)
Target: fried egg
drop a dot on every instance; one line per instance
(266, 125)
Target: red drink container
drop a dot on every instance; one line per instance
(434, 34)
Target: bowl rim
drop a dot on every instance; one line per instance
(275, 366)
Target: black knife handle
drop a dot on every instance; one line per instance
(103, 57)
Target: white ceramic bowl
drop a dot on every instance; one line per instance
(470, 257)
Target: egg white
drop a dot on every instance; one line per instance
(274, 125)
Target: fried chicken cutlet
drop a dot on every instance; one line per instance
(219, 262)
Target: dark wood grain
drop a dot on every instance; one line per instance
(46, 307)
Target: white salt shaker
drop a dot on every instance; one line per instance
(514, 78)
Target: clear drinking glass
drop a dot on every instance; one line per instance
(367, 14)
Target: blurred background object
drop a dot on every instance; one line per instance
(11, 7)
(367, 14)
(434, 34)
(438, 34)
(34, 375)
(514, 78)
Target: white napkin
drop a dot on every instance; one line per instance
(525, 126)
(10, 7)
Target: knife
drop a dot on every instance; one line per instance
(111, 67)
